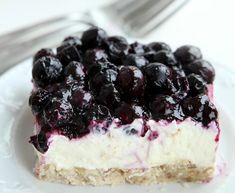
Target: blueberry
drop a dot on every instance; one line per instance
(127, 113)
(187, 54)
(141, 111)
(200, 109)
(75, 128)
(45, 128)
(47, 70)
(108, 96)
(150, 56)
(182, 88)
(159, 77)
(38, 100)
(210, 113)
(131, 81)
(68, 55)
(43, 52)
(81, 101)
(196, 84)
(59, 90)
(102, 78)
(75, 70)
(159, 46)
(165, 57)
(138, 48)
(52, 88)
(165, 107)
(63, 92)
(39, 141)
(178, 71)
(70, 41)
(72, 84)
(130, 130)
(57, 112)
(117, 47)
(67, 89)
(93, 55)
(202, 68)
(134, 60)
(93, 37)
(98, 113)
(100, 67)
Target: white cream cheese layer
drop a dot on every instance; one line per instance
(186, 140)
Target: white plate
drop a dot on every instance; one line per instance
(17, 157)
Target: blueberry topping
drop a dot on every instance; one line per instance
(181, 85)
(165, 107)
(47, 70)
(57, 112)
(62, 92)
(75, 71)
(158, 76)
(81, 101)
(93, 37)
(40, 142)
(141, 111)
(117, 47)
(128, 112)
(202, 68)
(73, 129)
(138, 48)
(73, 84)
(100, 67)
(164, 57)
(108, 96)
(200, 108)
(149, 56)
(73, 39)
(134, 60)
(98, 113)
(92, 56)
(38, 100)
(159, 46)
(178, 71)
(102, 78)
(43, 52)
(131, 81)
(52, 88)
(68, 55)
(70, 41)
(98, 79)
(196, 84)
(187, 54)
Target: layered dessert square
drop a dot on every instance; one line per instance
(110, 112)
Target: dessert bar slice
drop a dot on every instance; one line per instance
(110, 112)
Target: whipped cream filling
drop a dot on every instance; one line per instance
(122, 147)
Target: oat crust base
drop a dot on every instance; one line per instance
(183, 172)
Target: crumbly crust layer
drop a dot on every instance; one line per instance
(182, 172)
